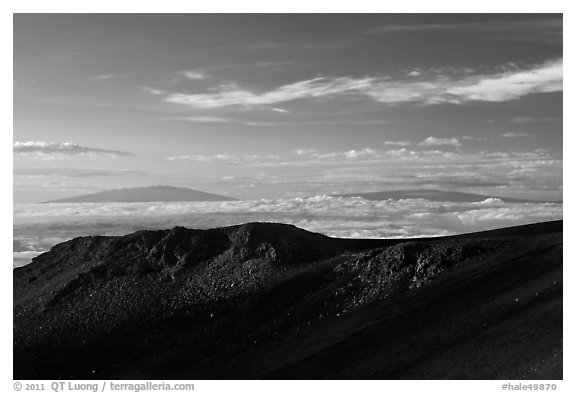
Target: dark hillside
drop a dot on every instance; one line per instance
(264, 300)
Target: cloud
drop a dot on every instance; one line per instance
(40, 226)
(227, 159)
(496, 87)
(422, 155)
(515, 135)
(301, 152)
(368, 156)
(437, 89)
(313, 156)
(546, 29)
(536, 154)
(475, 138)
(433, 141)
(76, 172)
(208, 119)
(195, 74)
(52, 150)
(280, 110)
(273, 63)
(411, 28)
(231, 95)
(528, 119)
(22, 258)
(265, 123)
(546, 78)
(366, 152)
(154, 91)
(275, 45)
(397, 143)
(348, 155)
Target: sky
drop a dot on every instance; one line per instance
(283, 106)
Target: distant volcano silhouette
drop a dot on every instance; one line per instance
(146, 194)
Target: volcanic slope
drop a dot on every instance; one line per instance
(272, 301)
(145, 194)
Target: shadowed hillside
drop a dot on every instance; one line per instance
(264, 300)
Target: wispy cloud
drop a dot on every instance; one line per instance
(528, 119)
(459, 89)
(226, 159)
(76, 172)
(280, 110)
(368, 155)
(195, 74)
(154, 91)
(545, 78)
(251, 123)
(273, 123)
(411, 28)
(307, 156)
(515, 135)
(208, 119)
(397, 143)
(475, 138)
(48, 150)
(276, 45)
(546, 29)
(302, 152)
(232, 95)
(433, 141)
(496, 87)
(364, 154)
(273, 63)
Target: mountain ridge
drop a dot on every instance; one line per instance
(266, 300)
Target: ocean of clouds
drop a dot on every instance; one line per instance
(37, 227)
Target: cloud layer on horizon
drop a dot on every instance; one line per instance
(39, 226)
